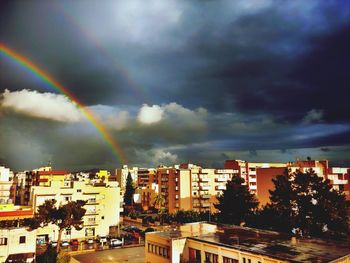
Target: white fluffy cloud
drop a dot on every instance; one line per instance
(42, 105)
(156, 156)
(313, 115)
(173, 113)
(150, 114)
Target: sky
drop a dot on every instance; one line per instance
(176, 81)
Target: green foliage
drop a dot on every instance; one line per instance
(159, 202)
(306, 204)
(129, 191)
(236, 204)
(48, 256)
(63, 257)
(65, 216)
(186, 216)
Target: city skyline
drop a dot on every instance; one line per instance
(174, 81)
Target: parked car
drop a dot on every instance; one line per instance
(53, 243)
(115, 243)
(89, 241)
(102, 239)
(64, 244)
(74, 242)
(132, 229)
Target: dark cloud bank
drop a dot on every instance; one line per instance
(253, 80)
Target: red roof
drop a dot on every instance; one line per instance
(16, 213)
(43, 180)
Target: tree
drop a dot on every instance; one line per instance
(236, 203)
(159, 201)
(129, 191)
(187, 216)
(64, 216)
(306, 204)
(159, 204)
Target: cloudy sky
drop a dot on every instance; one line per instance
(176, 81)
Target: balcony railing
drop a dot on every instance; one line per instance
(337, 181)
(205, 204)
(204, 188)
(220, 187)
(203, 179)
(220, 179)
(205, 196)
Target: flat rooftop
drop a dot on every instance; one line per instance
(269, 243)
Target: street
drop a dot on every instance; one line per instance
(134, 254)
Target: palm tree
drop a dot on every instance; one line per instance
(159, 203)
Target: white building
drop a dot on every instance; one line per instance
(102, 208)
(17, 243)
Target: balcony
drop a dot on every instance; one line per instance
(205, 204)
(337, 181)
(252, 173)
(195, 187)
(220, 179)
(195, 179)
(92, 212)
(92, 202)
(203, 179)
(252, 187)
(252, 179)
(220, 187)
(204, 188)
(205, 196)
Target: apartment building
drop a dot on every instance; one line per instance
(24, 182)
(102, 208)
(122, 173)
(7, 186)
(339, 177)
(207, 242)
(16, 243)
(191, 187)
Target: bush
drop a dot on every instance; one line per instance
(48, 256)
(63, 257)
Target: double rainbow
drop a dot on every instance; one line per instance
(90, 116)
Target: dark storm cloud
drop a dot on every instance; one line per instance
(269, 76)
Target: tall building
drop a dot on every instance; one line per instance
(102, 207)
(7, 186)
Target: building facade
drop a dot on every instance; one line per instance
(204, 242)
(102, 207)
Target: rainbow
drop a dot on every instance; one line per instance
(41, 74)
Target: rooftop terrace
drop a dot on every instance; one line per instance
(269, 243)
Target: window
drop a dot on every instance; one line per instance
(158, 250)
(102, 217)
(3, 241)
(244, 260)
(229, 260)
(68, 231)
(211, 258)
(22, 239)
(195, 255)
(78, 190)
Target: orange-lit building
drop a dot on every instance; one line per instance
(207, 242)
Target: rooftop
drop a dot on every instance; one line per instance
(269, 243)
